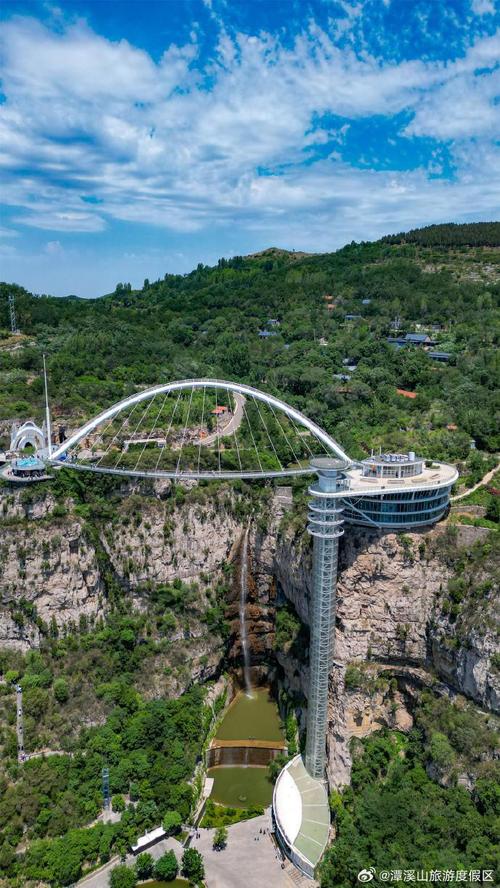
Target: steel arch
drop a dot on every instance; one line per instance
(240, 388)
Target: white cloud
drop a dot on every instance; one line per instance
(462, 107)
(483, 7)
(54, 248)
(62, 221)
(7, 251)
(161, 144)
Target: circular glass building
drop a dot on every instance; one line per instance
(398, 490)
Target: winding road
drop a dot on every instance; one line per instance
(484, 480)
(232, 426)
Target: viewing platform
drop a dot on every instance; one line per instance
(301, 816)
(376, 475)
(397, 491)
(26, 470)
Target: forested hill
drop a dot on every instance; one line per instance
(328, 355)
(451, 234)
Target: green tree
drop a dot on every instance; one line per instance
(118, 804)
(336, 804)
(61, 690)
(493, 509)
(220, 838)
(122, 877)
(172, 822)
(144, 865)
(192, 866)
(166, 867)
(441, 750)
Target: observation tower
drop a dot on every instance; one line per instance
(325, 526)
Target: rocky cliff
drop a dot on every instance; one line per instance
(63, 565)
(48, 571)
(60, 565)
(393, 626)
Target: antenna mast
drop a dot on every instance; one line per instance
(47, 411)
(12, 309)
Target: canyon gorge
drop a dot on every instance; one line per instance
(62, 564)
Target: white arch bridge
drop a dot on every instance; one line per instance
(198, 428)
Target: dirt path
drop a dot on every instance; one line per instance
(484, 480)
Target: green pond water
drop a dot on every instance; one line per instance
(251, 718)
(248, 718)
(241, 787)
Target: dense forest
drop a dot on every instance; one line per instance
(329, 356)
(150, 747)
(485, 234)
(397, 819)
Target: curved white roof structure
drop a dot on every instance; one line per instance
(301, 815)
(201, 428)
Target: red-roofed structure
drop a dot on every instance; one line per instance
(406, 394)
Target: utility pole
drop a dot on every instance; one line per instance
(12, 309)
(47, 411)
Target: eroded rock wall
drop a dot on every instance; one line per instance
(54, 560)
(389, 611)
(389, 615)
(52, 566)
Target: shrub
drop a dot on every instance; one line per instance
(122, 877)
(353, 678)
(166, 867)
(192, 865)
(61, 690)
(220, 838)
(287, 628)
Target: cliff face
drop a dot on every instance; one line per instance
(62, 569)
(51, 566)
(150, 542)
(390, 621)
(390, 612)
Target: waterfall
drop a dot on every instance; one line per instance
(243, 601)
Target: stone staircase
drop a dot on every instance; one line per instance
(298, 879)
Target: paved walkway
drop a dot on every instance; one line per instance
(249, 859)
(484, 480)
(100, 879)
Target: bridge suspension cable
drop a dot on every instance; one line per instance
(198, 428)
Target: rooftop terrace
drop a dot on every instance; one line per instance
(433, 475)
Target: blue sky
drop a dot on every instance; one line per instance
(145, 137)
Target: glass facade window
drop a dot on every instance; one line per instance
(414, 507)
(325, 525)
